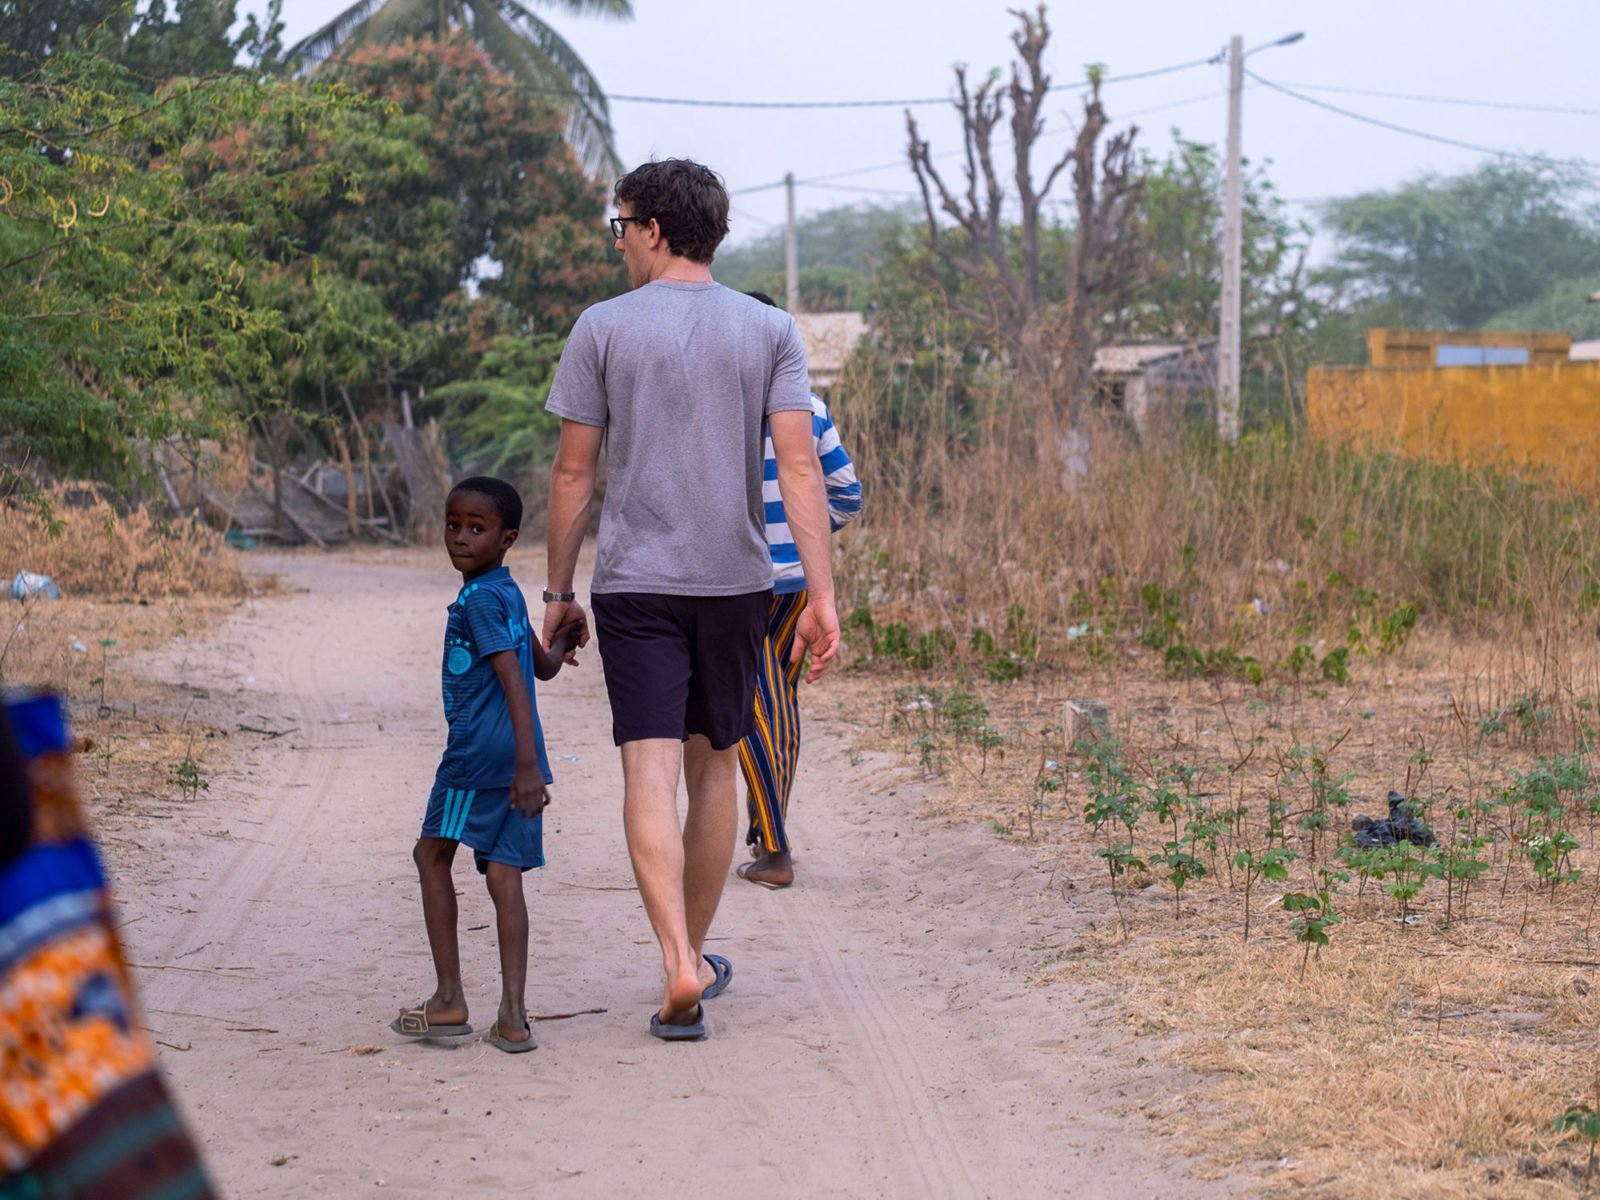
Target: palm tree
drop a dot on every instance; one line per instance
(515, 40)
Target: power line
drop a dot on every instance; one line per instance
(746, 215)
(845, 187)
(816, 180)
(1512, 105)
(913, 102)
(1419, 133)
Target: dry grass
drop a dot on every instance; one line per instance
(1426, 1059)
(97, 551)
(974, 523)
(1181, 585)
(128, 584)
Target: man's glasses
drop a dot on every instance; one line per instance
(617, 224)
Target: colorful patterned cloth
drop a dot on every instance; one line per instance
(83, 1112)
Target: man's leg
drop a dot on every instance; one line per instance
(511, 930)
(434, 857)
(709, 833)
(650, 768)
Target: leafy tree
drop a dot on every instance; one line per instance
(1454, 251)
(461, 222)
(465, 212)
(515, 40)
(838, 251)
(497, 419)
(1180, 295)
(127, 316)
(153, 40)
(1565, 308)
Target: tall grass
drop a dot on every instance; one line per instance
(93, 549)
(976, 522)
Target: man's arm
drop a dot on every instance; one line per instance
(572, 480)
(528, 793)
(805, 505)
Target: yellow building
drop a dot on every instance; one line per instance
(1510, 398)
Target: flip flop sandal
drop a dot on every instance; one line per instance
(693, 1032)
(500, 1042)
(414, 1024)
(724, 970)
(744, 873)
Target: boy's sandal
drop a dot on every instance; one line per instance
(414, 1024)
(500, 1042)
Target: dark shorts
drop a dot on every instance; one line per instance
(483, 820)
(681, 665)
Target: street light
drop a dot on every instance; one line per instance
(1228, 347)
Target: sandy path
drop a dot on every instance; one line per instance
(879, 1038)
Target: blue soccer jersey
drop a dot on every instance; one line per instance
(488, 616)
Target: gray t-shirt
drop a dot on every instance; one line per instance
(681, 375)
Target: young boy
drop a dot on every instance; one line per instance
(490, 788)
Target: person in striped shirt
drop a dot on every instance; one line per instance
(768, 757)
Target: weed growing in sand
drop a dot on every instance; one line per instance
(1113, 802)
(1272, 864)
(1316, 917)
(187, 779)
(1585, 1122)
(99, 681)
(186, 775)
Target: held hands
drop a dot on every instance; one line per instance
(816, 633)
(566, 630)
(529, 795)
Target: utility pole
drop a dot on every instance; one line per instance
(1228, 342)
(1229, 350)
(791, 253)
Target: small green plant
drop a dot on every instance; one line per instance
(1045, 784)
(186, 777)
(1120, 860)
(1395, 629)
(100, 680)
(107, 750)
(1317, 916)
(1585, 1122)
(1269, 864)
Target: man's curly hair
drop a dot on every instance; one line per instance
(687, 200)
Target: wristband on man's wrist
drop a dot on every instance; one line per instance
(551, 597)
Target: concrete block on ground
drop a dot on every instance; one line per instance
(1086, 720)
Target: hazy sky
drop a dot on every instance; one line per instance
(1536, 52)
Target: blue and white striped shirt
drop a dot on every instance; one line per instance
(844, 498)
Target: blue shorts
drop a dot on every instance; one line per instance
(483, 820)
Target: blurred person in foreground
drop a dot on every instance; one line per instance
(83, 1111)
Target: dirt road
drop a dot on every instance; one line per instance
(879, 1039)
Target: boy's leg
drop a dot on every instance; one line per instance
(434, 857)
(770, 755)
(650, 768)
(511, 930)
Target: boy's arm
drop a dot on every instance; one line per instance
(528, 793)
(838, 472)
(547, 663)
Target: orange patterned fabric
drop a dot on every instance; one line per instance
(58, 1056)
